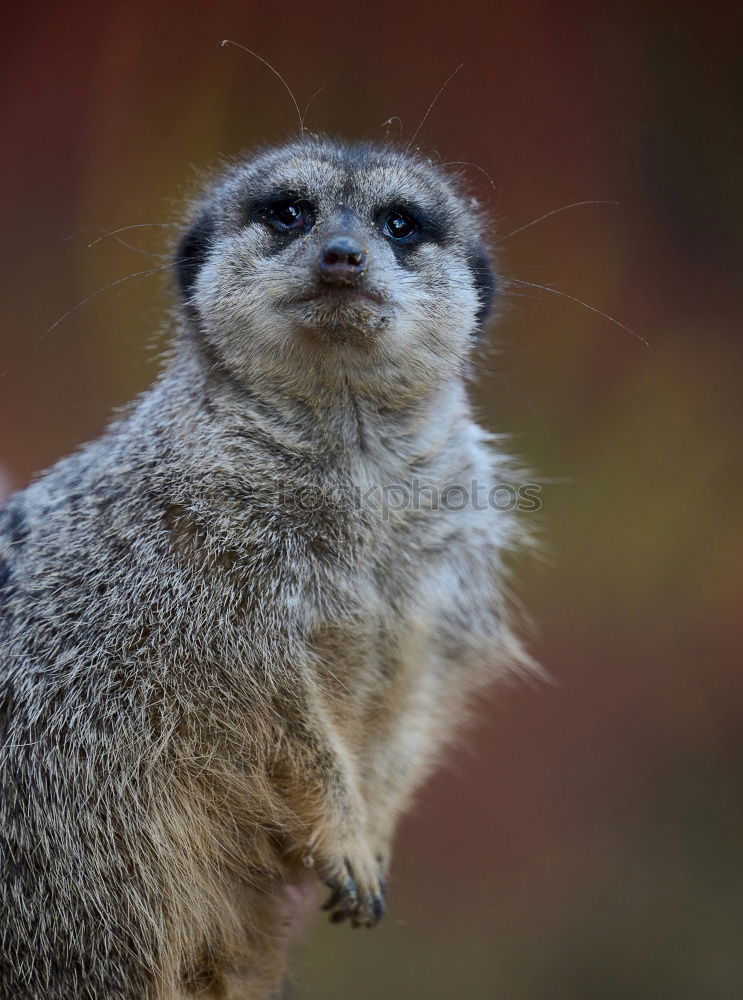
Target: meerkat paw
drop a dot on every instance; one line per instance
(358, 889)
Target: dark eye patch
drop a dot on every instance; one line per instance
(286, 213)
(398, 225)
(193, 251)
(485, 283)
(406, 224)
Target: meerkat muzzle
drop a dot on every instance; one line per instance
(342, 260)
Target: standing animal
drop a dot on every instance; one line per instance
(237, 629)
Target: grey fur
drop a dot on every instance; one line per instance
(208, 686)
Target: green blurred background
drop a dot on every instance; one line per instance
(586, 841)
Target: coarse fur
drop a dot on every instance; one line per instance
(225, 664)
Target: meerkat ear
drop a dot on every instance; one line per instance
(193, 250)
(485, 285)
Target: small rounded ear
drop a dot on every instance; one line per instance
(193, 250)
(485, 284)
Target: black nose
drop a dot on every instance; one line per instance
(342, 260)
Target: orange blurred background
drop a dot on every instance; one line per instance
(587, 840)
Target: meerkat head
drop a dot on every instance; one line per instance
(337, 259)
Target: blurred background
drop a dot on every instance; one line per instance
(586, 840)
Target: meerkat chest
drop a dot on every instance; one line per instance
(403, 591)
(374, 637)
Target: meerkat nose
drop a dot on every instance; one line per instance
(342, 260)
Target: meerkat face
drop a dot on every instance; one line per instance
(344, 256)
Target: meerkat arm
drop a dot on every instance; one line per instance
(320, 787)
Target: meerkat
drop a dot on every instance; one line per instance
(225, 663)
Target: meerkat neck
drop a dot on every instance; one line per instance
(345, 422)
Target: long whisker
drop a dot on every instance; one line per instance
(466, 163)
(237, 45)
(129, 246)
(112, 284)
(580, 302)
(307, 106)
(79, 232)
(483, 371)
(555, 211)
(106, 234)
(147, 253)
(430, 106)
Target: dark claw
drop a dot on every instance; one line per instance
(333, 899)
(377, 911)
(383, 890)
(345, 895)
(344, 902)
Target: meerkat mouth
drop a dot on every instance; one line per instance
(341, 295)
(344, 315)
(341, 312)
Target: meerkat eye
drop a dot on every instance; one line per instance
(397, 225)
(293, 214)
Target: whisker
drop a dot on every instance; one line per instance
(518, 295)
(555, 211)
(484, 371)
(130, 246)
(106, 234)
(580, 302)
(79, 232)
(466, 163)
(430, 106)
(112, 284)
(307, 106)
(237, 45)
(147, 253)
